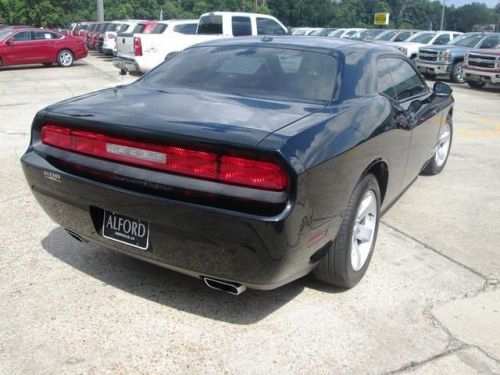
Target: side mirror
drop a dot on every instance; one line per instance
(9, 42)
(441, 89)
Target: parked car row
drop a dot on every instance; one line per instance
(471, 57)
(450, 60)
(141, 45)
(20, 45)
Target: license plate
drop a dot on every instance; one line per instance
(126, 230)
(474, 77)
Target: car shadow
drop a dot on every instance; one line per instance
(170, 288)
(77, 64)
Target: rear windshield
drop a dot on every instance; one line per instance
(210, 25)
(159, 28)
(268, 73)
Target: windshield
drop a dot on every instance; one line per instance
(259, 72)
(337, 33)
(4, 33)
(388, 35)
(467, 41)
(422, 38)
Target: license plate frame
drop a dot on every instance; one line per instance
(125, 229)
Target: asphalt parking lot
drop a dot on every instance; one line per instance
(429, 303)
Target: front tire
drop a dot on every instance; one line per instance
(348, 258)
(65, 58)
(440, 157)
(457, 75)
(476, 85)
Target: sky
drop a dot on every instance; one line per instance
(490, 3)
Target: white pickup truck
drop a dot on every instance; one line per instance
(150, 50)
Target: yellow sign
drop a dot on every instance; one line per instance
(381, 19)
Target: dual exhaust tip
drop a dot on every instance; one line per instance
(224, 286)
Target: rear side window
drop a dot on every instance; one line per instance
(490, 42)
(210, 25)
(260, 72)
(139, 28)
(159, 28)
(43, 35)
(407, 83)
(22, 36)
(188, 28)
(241, 26)
(267, 26)
(385, 84)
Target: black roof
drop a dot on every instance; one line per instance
(317, 43)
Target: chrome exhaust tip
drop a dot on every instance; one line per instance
(225, 286)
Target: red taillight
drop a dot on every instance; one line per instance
(234, 170)
(137, 46)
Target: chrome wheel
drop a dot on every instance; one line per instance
(65, 58)
(459, 74)
(443, 146)
(364, 230)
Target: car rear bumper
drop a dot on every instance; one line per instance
(478, 75)
(127, 65)
(436, 68)
(259, 252)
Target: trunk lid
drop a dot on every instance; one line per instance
(180, 115)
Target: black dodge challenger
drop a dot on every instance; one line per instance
(246, 162)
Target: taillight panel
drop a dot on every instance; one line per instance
(230, 169)
(137, 46)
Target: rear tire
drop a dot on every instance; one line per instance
(348, 258)
(476, 85)
(440, 157)
(457, 75)
(65, 58)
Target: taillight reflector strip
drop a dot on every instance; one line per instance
(207, 165)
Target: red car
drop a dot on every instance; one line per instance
(20, 46)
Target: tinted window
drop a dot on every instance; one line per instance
(23, 35)
(490, 42)
(385, 84)
(388, 35)
(270, 73)
(266, 26)
(188, 28)
(40, 35)
(210, 25)
(442, 39)
(421, 38)
(467, 41)
(159, 28)
(402, 36)
(241, 26)
(55, 36)
(407, 82)
(139, 28)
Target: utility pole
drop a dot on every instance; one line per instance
(100, 10)
(442, 14)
